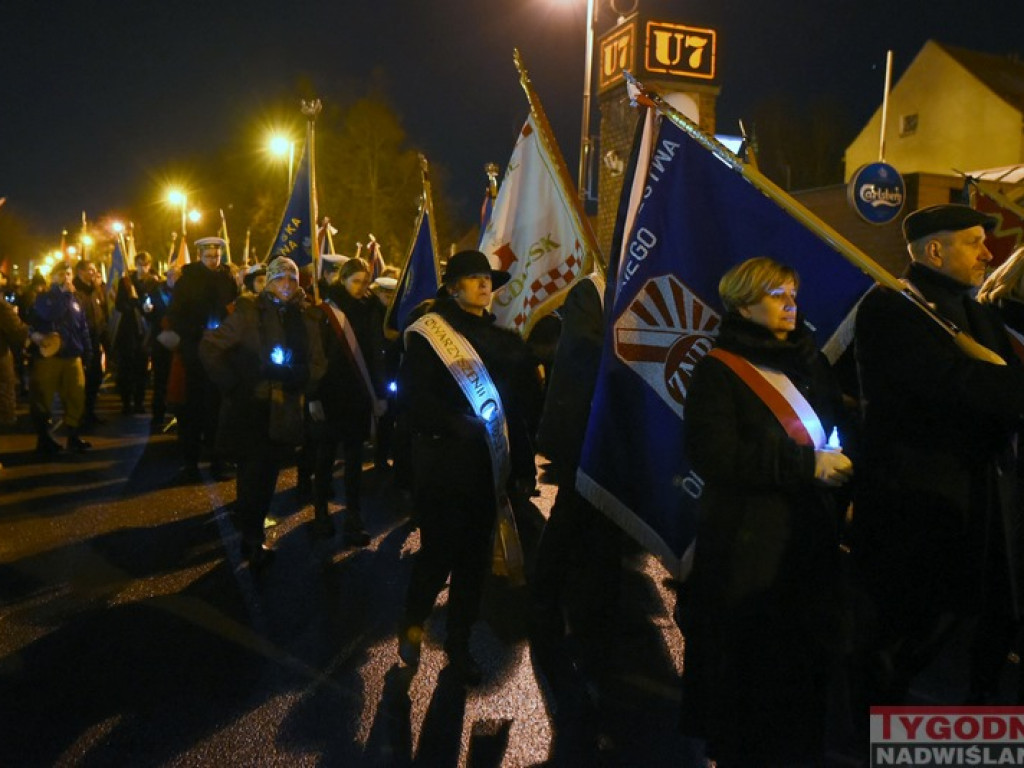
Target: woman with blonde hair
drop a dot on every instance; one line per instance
(1005, 289)
(760, 612)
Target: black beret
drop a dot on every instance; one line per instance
(944, 218)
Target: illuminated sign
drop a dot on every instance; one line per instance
(680, 51)
(616, 52)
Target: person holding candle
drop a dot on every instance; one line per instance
(760, 611)
(265, 358)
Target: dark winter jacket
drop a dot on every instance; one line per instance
(563, 423)
(438, 410)
(761, 611)
(58, 311)
(935, 491)
(342, 391)
(200, 303)
(239, 358)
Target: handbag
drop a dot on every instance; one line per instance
(508, 548)
(286, 415)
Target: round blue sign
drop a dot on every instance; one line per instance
(876, 192)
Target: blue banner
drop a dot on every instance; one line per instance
(295, 237)
(117, 264)
(696, 218)
(419, 279)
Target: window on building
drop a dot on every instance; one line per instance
(908, 125)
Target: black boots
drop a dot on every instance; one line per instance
(354, 531)
(46, 445)
(323, 526)
(76, 444)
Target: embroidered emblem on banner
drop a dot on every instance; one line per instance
(663, 334)
(548, 284)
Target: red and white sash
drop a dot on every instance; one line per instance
(783, 399)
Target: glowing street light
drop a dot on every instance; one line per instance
(176, 197)
(194, 216)
(279, 146)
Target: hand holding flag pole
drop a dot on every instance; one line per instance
(646, 97)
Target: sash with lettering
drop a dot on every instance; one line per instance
(343, 330)
(469, 372)
(783, 399)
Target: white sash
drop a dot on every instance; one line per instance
(469, 372)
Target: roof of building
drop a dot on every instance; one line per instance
(1003, 75)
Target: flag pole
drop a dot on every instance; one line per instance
(562, 176)
(311, 109)
(428, 207)
(848, 250)
(227, 240)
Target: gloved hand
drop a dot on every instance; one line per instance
(832, 467)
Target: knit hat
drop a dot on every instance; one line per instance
(281, 266)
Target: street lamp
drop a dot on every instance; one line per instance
(279, 146)
(180, 199)
(586, 147)
(585, 124)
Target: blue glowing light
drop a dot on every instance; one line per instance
(213, 324)
(279, 355)
(488, 411)
(392, 386)
(833, 440)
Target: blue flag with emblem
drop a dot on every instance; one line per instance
(420, 278)
(295, 236)
(117, 264)
(687, 216)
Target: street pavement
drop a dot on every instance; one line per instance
(132, 634)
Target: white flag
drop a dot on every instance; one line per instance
(534, 235)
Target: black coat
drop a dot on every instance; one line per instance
(760, 611)
(200, 302)
(563, 423)
(438, 411)
(237, 356)
(342, 391)
(935, 523)
(133, 326)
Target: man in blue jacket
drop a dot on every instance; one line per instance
(61, 336)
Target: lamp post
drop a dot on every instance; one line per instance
(585, 124)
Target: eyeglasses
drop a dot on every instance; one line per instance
(781, 293)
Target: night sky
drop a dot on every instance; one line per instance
(99, 99)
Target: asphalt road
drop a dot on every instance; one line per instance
(132, 634)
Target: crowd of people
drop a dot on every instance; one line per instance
(813, 561)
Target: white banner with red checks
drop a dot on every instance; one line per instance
(533, 235)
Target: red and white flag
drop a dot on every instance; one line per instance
(535, 233)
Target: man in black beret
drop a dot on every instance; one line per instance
(935, 517)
